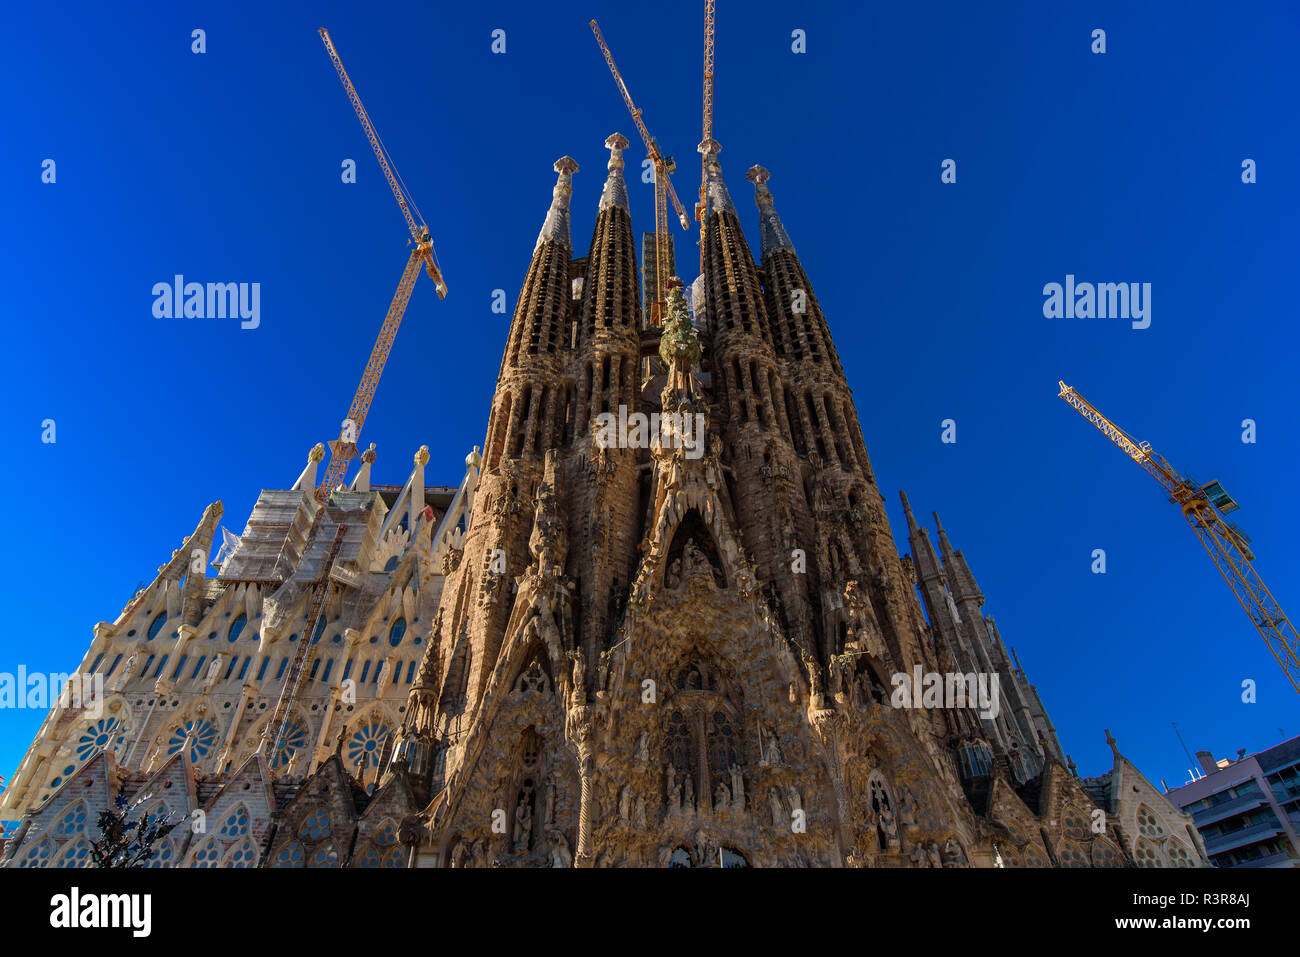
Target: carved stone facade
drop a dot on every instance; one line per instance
(680, 648)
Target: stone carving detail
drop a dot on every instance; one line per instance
(560, 855)
(532, 679)
(213, 674)
(953, 855)
(523, 829)
(679, 345)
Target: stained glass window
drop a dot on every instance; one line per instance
(368, 742)
(294, 739)
(290, 856)
(244, 855)
(105, 733)
(316, 827)
(235, 824)
(73, 820)
(202, 735)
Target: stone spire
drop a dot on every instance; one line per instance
(771, 233)
(912, 528)
(958, 572)
(615, 192)
(717, 199)
(362, 482)
(944, 544)
(307, 480)
(610, 296)
(556, 227)
(541, 311)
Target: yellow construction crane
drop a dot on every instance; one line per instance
(706, 141)
(1228, 547)
(663, 166)
(344, 448)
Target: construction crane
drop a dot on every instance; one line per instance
(277, 727)
(706, 141)
(343, 450)
(1228, 547)
(663, 166)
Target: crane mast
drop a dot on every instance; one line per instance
(663, 166)
(706, 141)
(343, 449)
(1228, 547)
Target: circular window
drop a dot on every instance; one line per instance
(201, 734)
(103, 734)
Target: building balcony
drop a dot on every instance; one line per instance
(1285, 793)
(1280, 859)
(1227, 809)
(1221, 843)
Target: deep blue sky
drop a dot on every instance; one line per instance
(1119, 167)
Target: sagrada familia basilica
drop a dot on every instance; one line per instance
(679, 649)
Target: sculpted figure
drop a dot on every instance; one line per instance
(602, 671)
(721, 796)
(773, 756)
(579, 678)
(953, 855)
(213, 673)
(737, 788)
(638, 813)
(523, 822)
(814, 672)
(778, 812)
(127, 672)
(458, 854)
(548, 802)
(693, 557)
(907, 807)
(887, 826)
(673, 793)
(560, 855)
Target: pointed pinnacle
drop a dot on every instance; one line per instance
(907, 510)
(717, 197)
(771, 232)
(555, 228)
(616, 143)
(615, 191)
